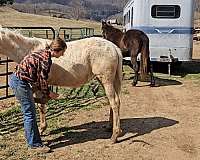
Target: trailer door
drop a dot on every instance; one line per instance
(168, 30)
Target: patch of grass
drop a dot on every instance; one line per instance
(125, 91)
(192, 76)
(10, 112)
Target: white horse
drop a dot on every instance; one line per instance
(83, 60)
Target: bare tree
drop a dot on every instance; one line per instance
(5, 2)
(77, 9)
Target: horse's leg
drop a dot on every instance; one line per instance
(43, 124)
(110, 120)
(115, 106)
(95, 86)
(109, 129)
(152, 77)
(117, 100)
(123, 73)
(135, 68)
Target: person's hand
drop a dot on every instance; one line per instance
(53, 95)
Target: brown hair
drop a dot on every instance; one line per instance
(57, 44)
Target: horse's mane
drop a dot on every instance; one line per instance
(15, 45)
(110, 28)
(18, 37)
(9, 32)
(112, 34)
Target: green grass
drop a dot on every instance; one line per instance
(10, 112)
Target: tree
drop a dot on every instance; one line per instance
(5, 2)
(77, 9)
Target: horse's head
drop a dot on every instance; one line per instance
(106, 29)
(111, 33)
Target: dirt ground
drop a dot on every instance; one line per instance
(159, 123)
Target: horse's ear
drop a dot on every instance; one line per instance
(47, 46)
(56, 34)
(103, 22)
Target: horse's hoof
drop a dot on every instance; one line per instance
(152, 85)
(115, 136)
(113, 139)
(134, 84)
(41, 130)
(123, 76)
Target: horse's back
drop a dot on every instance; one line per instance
(88, 50)
(84, 59)
(136, 34)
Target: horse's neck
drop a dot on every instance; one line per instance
(117, 35)
(16, 47)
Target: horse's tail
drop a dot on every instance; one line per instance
(145, 59)
(118, 75)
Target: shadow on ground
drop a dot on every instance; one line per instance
(98, 130)
(165, 82)
(177, 69)
(158, 82)
(12, 122)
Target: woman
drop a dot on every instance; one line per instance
(33, 70)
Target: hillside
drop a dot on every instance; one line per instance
(11, 17)
(67, 2)
(78, 9)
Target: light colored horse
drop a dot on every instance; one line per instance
(83, 60)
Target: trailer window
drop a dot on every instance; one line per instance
(165, 11)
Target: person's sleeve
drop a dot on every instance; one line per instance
(44, 76)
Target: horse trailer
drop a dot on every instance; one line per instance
(168, 24)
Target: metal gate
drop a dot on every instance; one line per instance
(39, 32)
(70, 34)
(4, 73)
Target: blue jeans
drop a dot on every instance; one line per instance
(24, 94)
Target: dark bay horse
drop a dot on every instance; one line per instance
(131, 43)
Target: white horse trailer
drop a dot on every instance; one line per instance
(168, 24)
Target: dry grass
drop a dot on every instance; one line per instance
(11, 17)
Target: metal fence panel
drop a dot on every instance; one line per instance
(70, 34)
(39, 32)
